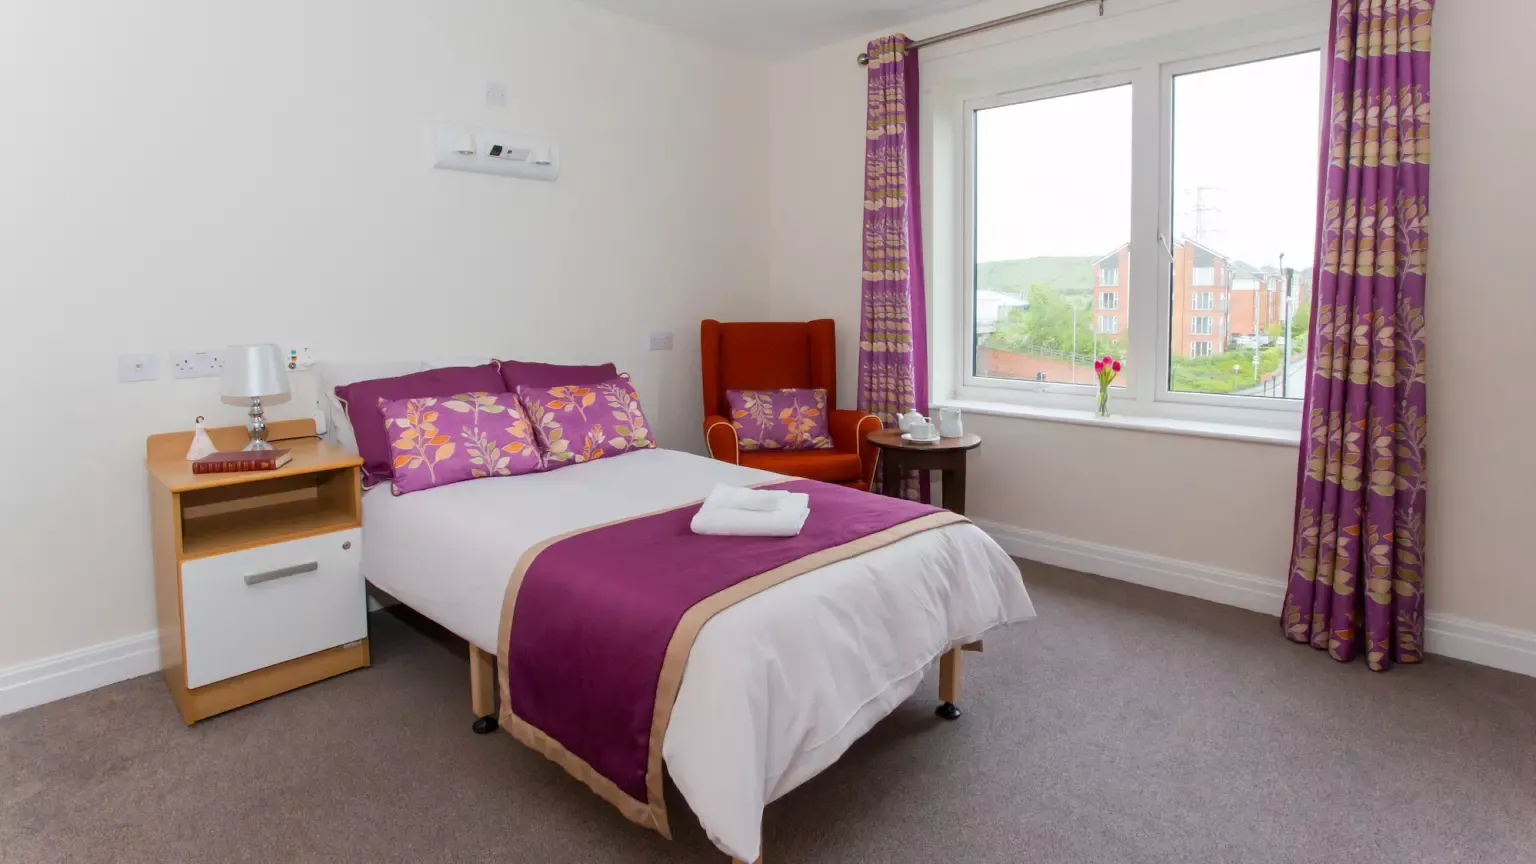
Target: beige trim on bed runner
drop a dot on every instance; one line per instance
(653, 813)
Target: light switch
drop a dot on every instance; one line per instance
(661, 341)
(137, 367)
(495, 94)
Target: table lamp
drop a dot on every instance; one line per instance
(252, 372)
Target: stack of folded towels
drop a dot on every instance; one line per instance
(734, 512)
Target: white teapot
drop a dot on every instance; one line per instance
(905, 421)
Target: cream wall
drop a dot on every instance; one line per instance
(163, 172)
(1222, 504)
(1480, 307)
(187, 175)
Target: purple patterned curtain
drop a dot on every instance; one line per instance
(1357, 571)
(893, 339)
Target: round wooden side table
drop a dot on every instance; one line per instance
(946, 455)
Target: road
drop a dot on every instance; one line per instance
(1297, 384)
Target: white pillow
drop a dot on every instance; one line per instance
(333, 375)
(452, 362)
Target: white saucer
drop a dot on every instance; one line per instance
(907, 436)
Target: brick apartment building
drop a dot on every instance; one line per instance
(1111, 295)
(1215, 299)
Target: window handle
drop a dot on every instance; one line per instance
(1163, 244)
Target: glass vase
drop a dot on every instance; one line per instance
(1103, 403)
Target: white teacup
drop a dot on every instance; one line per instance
(924, 431)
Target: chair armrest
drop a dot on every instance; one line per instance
(850, 434)
(720, 438)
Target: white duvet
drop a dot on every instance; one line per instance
(779, 685)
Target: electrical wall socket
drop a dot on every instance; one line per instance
(661, 341)
(300, 358)
(197, 364)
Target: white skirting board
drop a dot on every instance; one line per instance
(1445, 635)
(62, 675)
(41, 681)
(36, 683)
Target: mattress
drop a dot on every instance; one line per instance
(778, 686)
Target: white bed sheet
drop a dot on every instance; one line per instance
(777, 686)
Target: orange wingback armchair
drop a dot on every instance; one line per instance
(775, 356)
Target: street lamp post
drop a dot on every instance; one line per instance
(1074, 343)
(1285, 353)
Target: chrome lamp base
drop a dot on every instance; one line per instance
(256, 427)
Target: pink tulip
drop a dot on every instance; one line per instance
(1098, 365)
(1108, 359)
(1117, 366)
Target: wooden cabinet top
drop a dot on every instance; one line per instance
(166, 456)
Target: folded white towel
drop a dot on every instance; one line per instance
(736, 498)
(726, 522)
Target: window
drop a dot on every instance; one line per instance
(1148, 187)
(1249, 208)
(1052, 212)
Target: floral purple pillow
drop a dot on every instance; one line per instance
(581, 423)
(780, 419)
(435, 441)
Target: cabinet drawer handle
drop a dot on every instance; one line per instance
(270, 575)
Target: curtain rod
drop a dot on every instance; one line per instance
(993, 25)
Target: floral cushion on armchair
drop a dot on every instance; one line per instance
(780, 419)
(436, 441)
(581, 423)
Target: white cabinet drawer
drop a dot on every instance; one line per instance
(258, 607)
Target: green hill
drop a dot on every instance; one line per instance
(1069, 276)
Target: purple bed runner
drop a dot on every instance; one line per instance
(597, 626)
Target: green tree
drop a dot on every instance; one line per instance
(1301, 319)
(1047, 325)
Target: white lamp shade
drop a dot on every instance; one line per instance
(254, 370)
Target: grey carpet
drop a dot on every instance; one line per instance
(1124, 725)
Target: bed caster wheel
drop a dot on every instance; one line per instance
(947, 711)
(485, 726)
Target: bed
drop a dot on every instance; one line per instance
(778, 686)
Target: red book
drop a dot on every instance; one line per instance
(242, 460)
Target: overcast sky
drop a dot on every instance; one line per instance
(1054, 176)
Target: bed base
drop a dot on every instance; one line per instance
(482, 691)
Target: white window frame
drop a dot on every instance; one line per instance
(1106, 284)
(1109, 301)
(1114, 325)
(1147, 395)
(1196, 355)
(1209, 305)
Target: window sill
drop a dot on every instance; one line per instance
(1198, 429)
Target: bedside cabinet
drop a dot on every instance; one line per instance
(258, 585)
